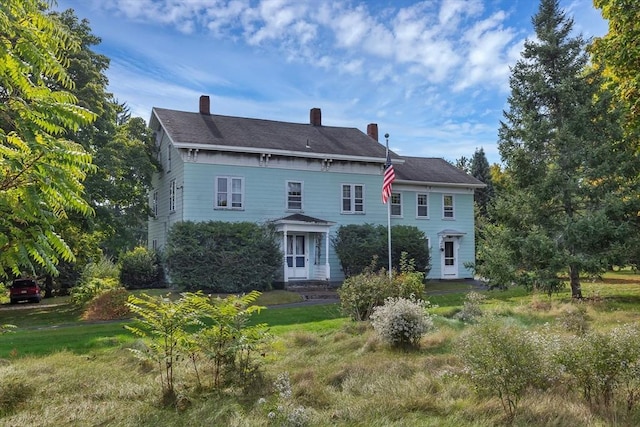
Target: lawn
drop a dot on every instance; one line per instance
(340, 373)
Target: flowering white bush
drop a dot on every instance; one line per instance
(283, 411)
(471, 309)
(401, 322)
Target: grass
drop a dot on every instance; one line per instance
(340, 372)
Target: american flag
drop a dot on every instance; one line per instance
(389, 176)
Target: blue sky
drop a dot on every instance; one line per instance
(433, 74)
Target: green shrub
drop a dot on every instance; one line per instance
(601, 363)
(103, 268)
(574, 318)
(360, 294)
(401, 322)
(504, 361)
(87, 290)
(357, 245)
(140, 269)
(471, 310)
(109, 305)
(222, 256)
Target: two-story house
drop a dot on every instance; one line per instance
(307, 179)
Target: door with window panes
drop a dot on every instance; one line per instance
(449, 259)
(297, 256)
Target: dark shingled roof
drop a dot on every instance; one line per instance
(258, 135)
(429, 169)
(215, 130)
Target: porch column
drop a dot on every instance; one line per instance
(327, 268)
(284, 259)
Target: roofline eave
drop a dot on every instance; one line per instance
(287, 153)
(435, 184)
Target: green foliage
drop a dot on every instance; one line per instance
(229, 342)
(197, 326)
(41, 172)
(471, 309)
(110, 304)
(222, 256)
(86, 291)
(480, 170)
(505, 361)
(603, 364)
(103, 268)
(360, 294)
(401, 322)
(570, 193)
(357, 245)
(140, 268)
(165, 323)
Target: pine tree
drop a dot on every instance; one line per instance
(562, 149)
(481, 171)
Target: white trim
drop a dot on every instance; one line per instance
(453, 207)
(391, 204)
(352, 199)
(172, 195)
(229, 192)
(418, 206)
(289, 208)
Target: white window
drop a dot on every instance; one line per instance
(154, 244)
(352, 198)
(168, 157)
(447, 206)
(154, 204)
(422, 205)
(396, 204)
(294, 195)
(172, 196)
(229, 192)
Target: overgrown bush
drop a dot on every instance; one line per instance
(471, 309)
(357, 245)
(103, 268)
(87, 290)
(601, 363)
(503, 360)
(361, 293)
(140, 269)
(223, 256)
(575, 319)
(109, 305)
(401, 322)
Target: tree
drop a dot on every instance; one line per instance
(122, 149)
(480, 170)
(41, 172)
(565, 162)
(619, 52)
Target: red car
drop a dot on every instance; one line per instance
(24, 290)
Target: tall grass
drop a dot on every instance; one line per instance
(341, 374)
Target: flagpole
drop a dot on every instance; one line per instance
(386, 137)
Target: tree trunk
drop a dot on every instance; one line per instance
(574, 280)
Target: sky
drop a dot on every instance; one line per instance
(432, 74)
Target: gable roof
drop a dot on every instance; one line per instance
(226, 133)
(430, 170)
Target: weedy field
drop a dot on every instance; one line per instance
(322, 369)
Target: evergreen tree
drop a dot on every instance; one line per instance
(565, 165)
(482, 172)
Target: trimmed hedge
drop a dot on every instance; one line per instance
(140, 269)
(357, 245)
(222, 256)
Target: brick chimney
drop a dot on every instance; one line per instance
(205, 104)
(315, 117)
(372, 131)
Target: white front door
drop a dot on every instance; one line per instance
(450, 259)
(297, 256)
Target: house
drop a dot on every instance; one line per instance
(308, 179)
